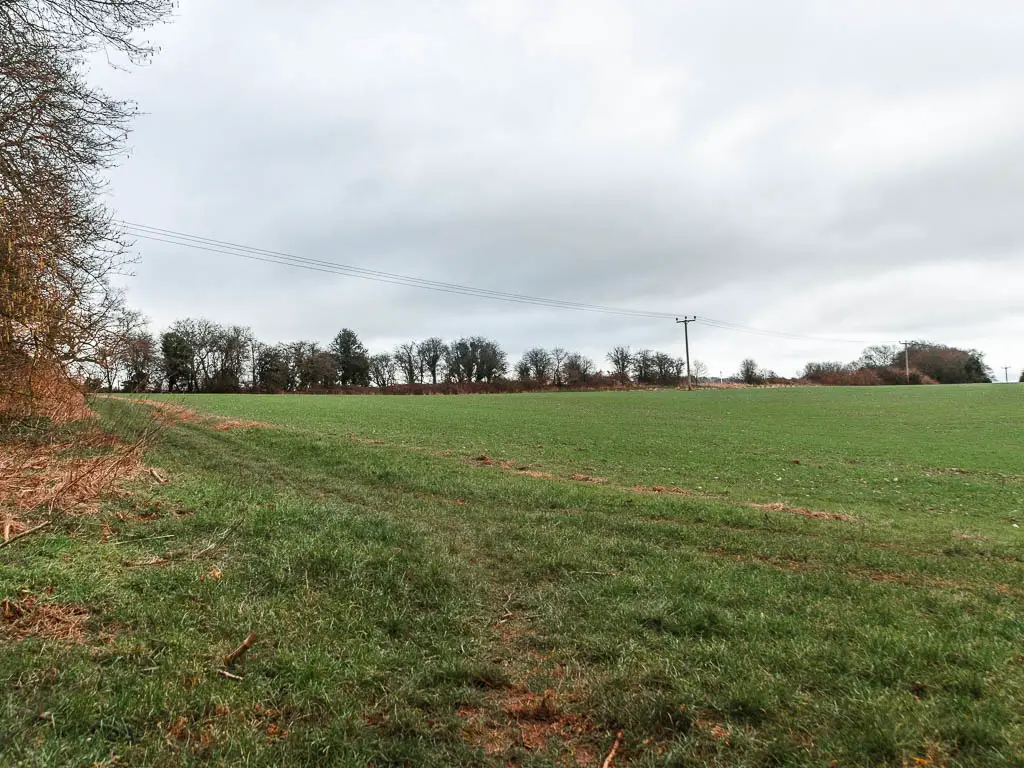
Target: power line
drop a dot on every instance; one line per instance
(277, 257)
(727, 326)
(210, 245)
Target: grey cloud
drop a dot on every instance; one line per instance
(772, 164)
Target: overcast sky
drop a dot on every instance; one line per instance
(837, 169)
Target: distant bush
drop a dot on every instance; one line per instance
(895, 375)
(821, 372)
(861, 377)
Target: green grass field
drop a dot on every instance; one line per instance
(516, 579)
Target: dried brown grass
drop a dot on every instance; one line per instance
(28, 617)
(44, 468)
(33, 389)
(57, 476)
(173, 413)
(812, 514)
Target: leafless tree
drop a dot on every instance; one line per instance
(408, 362)
(541, 364)
(750, 373)
(698, 370)
(644, 370)
(622, 361)
(58, 242)
(523, 371)
(577, 369)
(558, 356)
(431, 355)
(110, 352)
(665, 368)
(383, 370)
(879, 356)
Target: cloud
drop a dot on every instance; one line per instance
(845, 169)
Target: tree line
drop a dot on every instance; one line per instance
(198, 355)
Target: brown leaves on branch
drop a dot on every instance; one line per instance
(58, 134)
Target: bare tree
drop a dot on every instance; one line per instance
(879, 356)
(541, 364)
(140, 362)
(749, 372)
(491, 360)
(644, 367)
(622, 362)
(109, 348)
(523, 371)
(698, 370)
(665, 368)
(408, 361)
(577, 369)
(558, 356)
(58, 242)
(431, 354)
(271, 369)
(383, 370)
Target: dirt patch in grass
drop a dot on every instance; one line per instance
(357, 438)
(529, 706)
(969, 537)
(172, 413)
(28, 617)
(507, 465)
(588, 479)
(515, 716)
(908, 579)
(782, 563)
(791, 564)
(672, 490)
(534, 473)
(811, 514)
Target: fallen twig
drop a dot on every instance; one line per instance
(153, 561)
(23, 534)
(214, 544)
(240, 650)
(508, 614)
(147, 538)
(228, 675)
(611, 755)
(156, 475)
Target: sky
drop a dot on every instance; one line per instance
(850, 172)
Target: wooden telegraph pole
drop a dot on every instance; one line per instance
(686, 333)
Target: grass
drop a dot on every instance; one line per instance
(431, 586)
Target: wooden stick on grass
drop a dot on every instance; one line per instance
(228, 675)
(23, 533)
(240, 650)
(611, 755)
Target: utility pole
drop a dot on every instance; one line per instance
(1006, 373)
(906, 358)
(686, 333)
